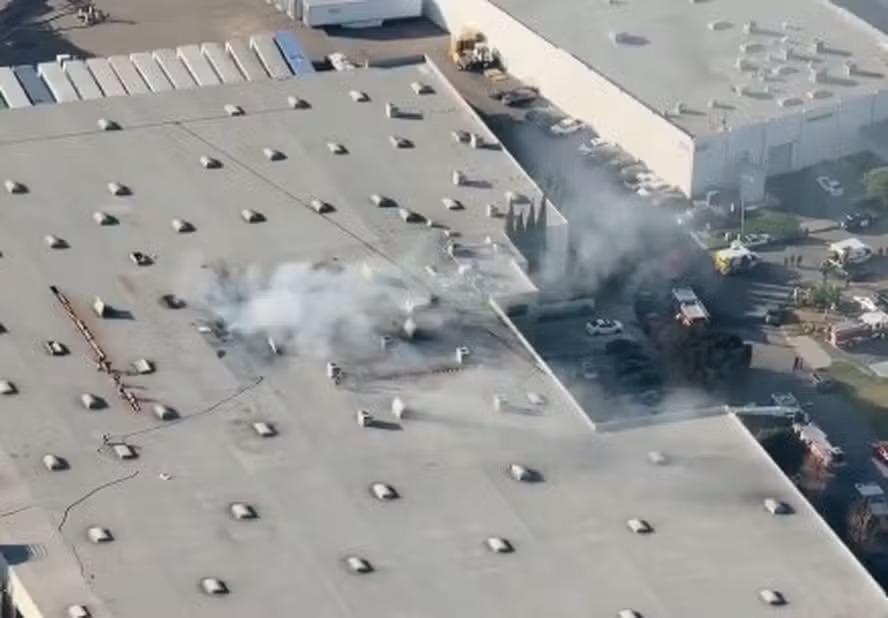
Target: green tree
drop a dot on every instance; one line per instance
(876, 182)
(784, 447)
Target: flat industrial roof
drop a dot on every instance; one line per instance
(714, 546)
(676, 51)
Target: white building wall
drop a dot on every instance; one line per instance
(574, 87)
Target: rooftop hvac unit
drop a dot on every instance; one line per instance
(816, 46)
(742, 64)
(118, 189)
(242, 510)
(399, 408)
(391, 110)
(358, 565)
(776, 507)
(7, 388)
(54, 463)
(457, 178)
(500, 402)
(233, 110)
(164, 413)
(272, 154)
(462, 354)
(264, 429)
(364, 418)
(523, 473)
(98, 534)
(639, 526)
(384, 492)
(850, 68)
(321, 207)
(213, 586)
(772, 597)
(91, 402)
(124, 451)
(789, 101)
(106, 124)
(421, 88)
(499, 545)
(101, 308)
(103, 218)
(817, 76)
(297, 103)
(750, 27)
(55, 242)
(210, 163)
(475, 141)
(78, 611)
(409, 329)
(14, 187)
(492, 211)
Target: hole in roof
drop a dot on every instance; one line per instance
(14, 187)
(171, 301)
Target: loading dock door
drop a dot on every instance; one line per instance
(780, 158)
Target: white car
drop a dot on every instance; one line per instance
(831, 186)
(566, 126)
(600, 326)
(593, 145)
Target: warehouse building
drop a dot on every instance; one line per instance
(708, 94)
(213, 404)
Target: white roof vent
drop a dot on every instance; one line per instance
(819, 93)
(420, 88)
(103, 218)
(816, 46)
(629, 613)
(118, 189)
(524, 474)
(639, 526)
(381, 201)
(164, 412)
(358, 96)
(750, 27)
(143, 366)
(499, 545)
(55, 242)
(384, 492)
(772, 597)
(790, 101)
(536, 399)
(492, 211)
(298, 103)
(181, 226)
(817, 76)
(337, 148)
(242, 510)
(124, 451)
(140, 259)
(273, 154)
(776, 507)
(264, 429)
(620, 38)
(500, 402)
(462, 354)
(718, 24)
(251, 216)
(106, 124)
(850, 68)
(782, 70)
(408, 216)
(7, 388)
(400, 142)
(457, 178)
(210, 163)
(321, 207)
(234, 110)
(364, 418)
(750, 47)
(91, 402)
(658, 458)
(54, 463)
(460, 137)
(358, 565)
(740, 89)
(101, 308)
(785, 53)
(97, 534)
(391, 110)
(742, 64)
(14, 187)
(78, 611)
(399, 408)
(451, 204)
(55, 348)
(679, 108)
(213, 586)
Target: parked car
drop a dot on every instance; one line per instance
(831, 186)
(340, 61)
(566, 126)
(859, 220)
(593, 145)
(777, 316)
(750, 241)
(519, 96)
(601, 326)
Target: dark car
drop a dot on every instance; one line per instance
(619, 347)
(777, 316)
(823, 383)
(519, 96)
(856, 221)
(882, 298)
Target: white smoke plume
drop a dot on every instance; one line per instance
(322, 311)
